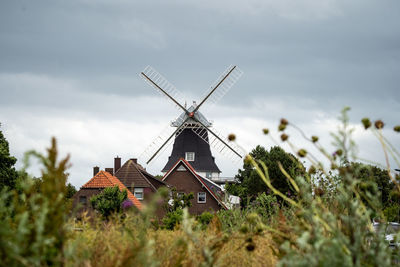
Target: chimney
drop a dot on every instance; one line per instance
(109, 170)
(117, 163)
(134, 160)
(95, 170)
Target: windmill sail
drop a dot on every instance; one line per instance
(222, 85)
(163, 86)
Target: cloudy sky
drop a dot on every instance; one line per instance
(70, 69)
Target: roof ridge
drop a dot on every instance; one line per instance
(152, 186)
(114, 181)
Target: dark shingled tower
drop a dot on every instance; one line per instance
(188, 141)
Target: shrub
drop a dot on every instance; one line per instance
(32, 226)
(172, 219)
(109, 201)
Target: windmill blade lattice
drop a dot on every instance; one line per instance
(225, 86)
(163, 83)
(217, 144)
(161, 141)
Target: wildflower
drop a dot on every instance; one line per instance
(379, 124)
(302, 153)
(284, 137)
(366, 122)
(314, 139)
(284, 121)
(127, 204)
(265, 131)
(231, 137)
(397, 128)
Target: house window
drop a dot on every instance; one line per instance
(189, 156)
(208, 175)
(201, 197)
(138, 192)
(82, 200)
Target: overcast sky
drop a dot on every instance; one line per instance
(70, 69)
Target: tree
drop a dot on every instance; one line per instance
(250, 183)
(8, 174)
(370, 173)
(71, 190)
(109, 201)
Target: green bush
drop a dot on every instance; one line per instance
(172, 219)
(109, 201)
(205, 218)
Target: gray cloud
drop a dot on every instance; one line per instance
(78, 62)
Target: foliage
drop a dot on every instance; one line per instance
(205, 218)
(179, 201)
(172, 219)
(71, 191)
(109, 201)
(336, 233)
(370, 173)
(250, 184)
(175, 207)
(8, 174)
(32, 227)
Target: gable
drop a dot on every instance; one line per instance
(188, 180)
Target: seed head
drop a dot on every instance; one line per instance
(250, 247)
(319, 191)
(284, 137)
(397, 128)
(339, 152)
(379, 124)
(284, 121)
(314, 139)
(302, 153)
(247, 159)
(366, 122)
(231, 137)
(312, 170)
(265, 131)
(281, 127)
(244, 229)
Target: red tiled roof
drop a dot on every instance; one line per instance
(104, 179)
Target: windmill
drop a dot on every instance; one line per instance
(193, 133)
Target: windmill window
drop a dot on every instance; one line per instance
(181, 168)
(189, 156)
(201, 197)
(138, 192)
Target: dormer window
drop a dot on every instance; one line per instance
(189, 156)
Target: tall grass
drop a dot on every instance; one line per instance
(327, 223)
